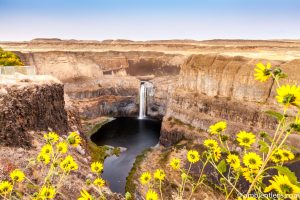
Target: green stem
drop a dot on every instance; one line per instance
(161, 194)
(268, 157)
(184, 181)
(276, 80)
(199, 181)
(214, 165)
(236, 180)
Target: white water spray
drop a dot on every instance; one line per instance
(143, 95)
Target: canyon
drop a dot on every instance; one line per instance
(195, 84)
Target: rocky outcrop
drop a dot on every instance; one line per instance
(110, 96)
(30, 105)
(213, 88)
(157, 98)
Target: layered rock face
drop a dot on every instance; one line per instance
(67, 66)
(214, 87)
(109, 96)
(158, 97)
(30, 105)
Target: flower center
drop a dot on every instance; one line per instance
(286, 189)
(47, 194)
(278, 156)
(219, 129)
(246, 140)
(252, 161)
(289, 98)
(267, 72)
(285, 154)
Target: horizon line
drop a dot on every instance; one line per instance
(151, 40)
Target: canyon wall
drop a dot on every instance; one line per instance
(110, 96)
(31, 104)
(212, 88)
(66, 65)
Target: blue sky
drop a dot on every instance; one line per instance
(149, 19)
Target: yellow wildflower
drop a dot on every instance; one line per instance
(282, 185)
(68, 164)
(62, 147)
(99, 182)
(262, 72)
(193, 156)
(250, 174)
(151, 195)
(47, 149)
(277, 156)
(85, 195)
(245, 139)
(51, 137)
(74, 139)
(145, 178)
(96, 167)
(288, 95)
(47, 192)
(252, 160)
(5, 187)
(217, 154)
(218, 127)
(17, 175)
(175, 163)
(159, 174)
(233, 161)
(287, 155)
(211, 144)
(45, 158)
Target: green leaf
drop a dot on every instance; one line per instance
(272, 113)
(282, 75)
(224, 150)
(286, 171)
(222, 166)
(264, 147)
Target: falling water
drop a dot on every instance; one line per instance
(143, 93)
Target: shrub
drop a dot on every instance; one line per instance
(8, 58)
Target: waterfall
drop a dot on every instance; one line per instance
(143, 96)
